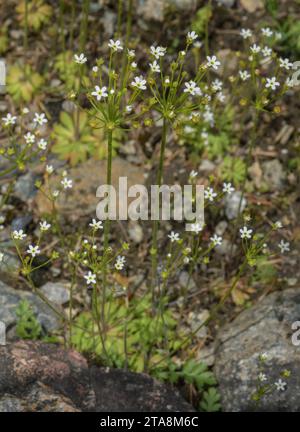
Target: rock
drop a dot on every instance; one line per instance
(221, 227)
(227, 3)
(195, 320)
(206, 166)
(25, 187)
(232, 203)
(252, 5)
(9, 300)
(229, 62)
(109, 22)
(265, 328)
(21, 222)
(56, 292)
(155, 9)
(135, 232)
(185, 280)
(54, 379)
(9, 266)
(207, 355)
(81, 200)
(225, 248)
(273, 174)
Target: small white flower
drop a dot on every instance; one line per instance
(266, 51)
(130, 53)
(158, 51)
(264, 356)
(154, 66)
(55, 193)
(221, 97)
(100, 93)
(191, 36)
(1, 256)
(280, 385)
(262, 377)
(96, 225)
(9, 119)
(25, 110)
(272, 83)
(115, 45)
(278, 225)
(134, 65)
(209, 194)
(119, 265)
(67, 184)
(285, 63)
(245, 33)
(80, 59)
(29, 138)
(255, 48)
(90, 278)
(44, 225)
(267, 31)
(139, 83)
(193, 174)
(128, 108)
(284, 246)
(244, 75)
(40, 118)
(49, 169)
(228, 188)
(246, 233)
(217, 85)
(192, 88)
(95, 69)
(42, 144)
(278, 35)
(213, 62)
(216, 240)
(196, 228)
(33, 250)
(174, 236)
(19, 235)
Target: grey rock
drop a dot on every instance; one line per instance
(21, 222)
(155, 9)
(196, 320)
(207, 355)
(9, 300)
(25, 188)
(135, 232)
(227, 3)
(185, 280)
(207, 166)
(221, 227)
(225, 248)
(56, 292)
(9, 266)
(273, 174)
(265, 328)
(232, 203)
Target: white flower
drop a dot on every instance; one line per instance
(9, 119)
(133, 65)
(158, 51)
(80, 59)
(55, 193)
(285, 63)
(96, 225)
(44, 226)
(255, 48)
(228, 188)
(192, 88)
(40, 118)
(284, 246)
(130, 53)
(25, 110)
(246, 233)
(191, 36)
(262, 377)
(290, 82)
(49, 169)
(264, 356)
(174, 236)
(267, 31)
(266, 51)
(67, 184)
(1, 256)
(196, 228)
(209, 194)
(90, 278)
(221, 97)
(42, 144)
(115, 45)
(128, 108)
(33, 250)
(217, 85)
(95, 69)
(213, 62)
(278, 225)
(29, 138)
(193, 174)
(280, 385)
(120, 262)
(19, 235)
(272, 83)
(154, 66)
(244, 75)
(245, 33)
(100, 93)
(216, 240)
(139, 83)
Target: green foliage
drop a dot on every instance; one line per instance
(201, 19)
(39, 13)
(75, 140)
(66, 68)
(28, 326)
(233, 170)
(272, 7)
(3, 39)
(23, 83)
(210, 400)
(265, 272)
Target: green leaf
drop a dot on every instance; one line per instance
(211, 400)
